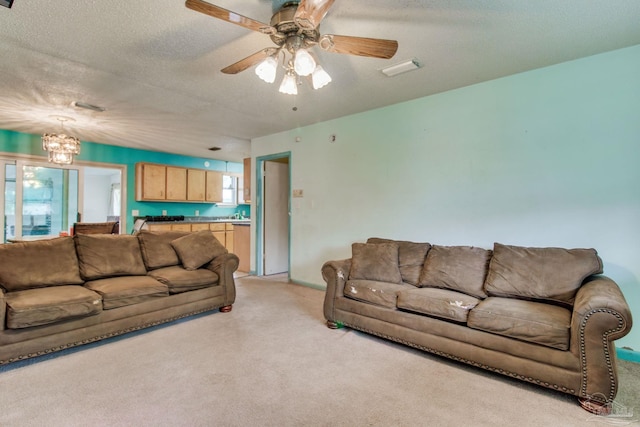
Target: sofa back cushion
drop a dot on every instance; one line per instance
(107, 255)
(458, 268)
(156, 248)
(39, 264)
(411, 258)
(547, 274)
(375, 261)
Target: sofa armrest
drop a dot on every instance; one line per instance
(3, 310)
(335, 274)
(600, 316)
(224, 266)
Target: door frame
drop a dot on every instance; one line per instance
(259, 229)
(20, 164)
(14, 158)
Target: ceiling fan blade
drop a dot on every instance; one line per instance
(229, 16)
(362, 46)
(311, 12)
(249, 61)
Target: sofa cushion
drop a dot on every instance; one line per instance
(120, 291)
(197, 248)
(536, 322)
(548, 274)
(411, 257)
(39, 264)
(443, 303)
(375, 261)
(33, 307)
(378, 293)
(179, 279)
(458, 268)
(156, 248)
(107, 255)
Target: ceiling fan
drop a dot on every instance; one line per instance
(294, 28)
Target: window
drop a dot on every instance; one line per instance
(229, 190)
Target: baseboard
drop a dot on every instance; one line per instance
(309, 285)
(628, 355)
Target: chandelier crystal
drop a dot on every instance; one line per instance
(61, 147)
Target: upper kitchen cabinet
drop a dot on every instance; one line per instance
(213, 186)
(151, 181)
(176, 184)
(246, 193)
(196, 184)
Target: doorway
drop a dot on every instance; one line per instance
(273, 225)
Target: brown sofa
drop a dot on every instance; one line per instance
(69, 291)
(543, 315)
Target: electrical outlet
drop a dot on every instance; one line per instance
(197, 212)
(164, 212)
(135, 212)
(298, 193)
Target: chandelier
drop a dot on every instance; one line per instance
(61, 147)
(301, 64)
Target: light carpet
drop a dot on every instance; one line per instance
(273, 362)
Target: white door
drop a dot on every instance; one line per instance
(276, 217)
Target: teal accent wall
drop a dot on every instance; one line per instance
(28, 144)
(549, 157)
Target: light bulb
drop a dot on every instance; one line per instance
(304, 63)
(289, 84)
(320, 77)
(266, 70)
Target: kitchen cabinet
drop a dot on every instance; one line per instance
(180, 227)
(223, 231)
(213, 186)
(150, 181)
(195, 185)
(246, 180)
(176, 183)
(200, 226)
(218, 230)
(241, 245)
(228, 237)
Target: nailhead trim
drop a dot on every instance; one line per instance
(607, 353)
(104, 336)
(469, 362)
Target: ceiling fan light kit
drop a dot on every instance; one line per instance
(294, 28)
(289, 84)
(267, 69)
(320, 78)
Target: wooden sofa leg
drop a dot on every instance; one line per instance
(594, 407)
(334, 325)
(226, 308)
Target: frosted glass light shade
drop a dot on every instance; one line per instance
(304, 64)
(320, 77)
(289, 84)
(266, 70)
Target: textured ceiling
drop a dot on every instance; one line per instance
(155, 65)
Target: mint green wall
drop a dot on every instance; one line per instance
(548, 157)
(16, 142)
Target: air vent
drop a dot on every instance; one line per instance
(214, 148)
(89, 106)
